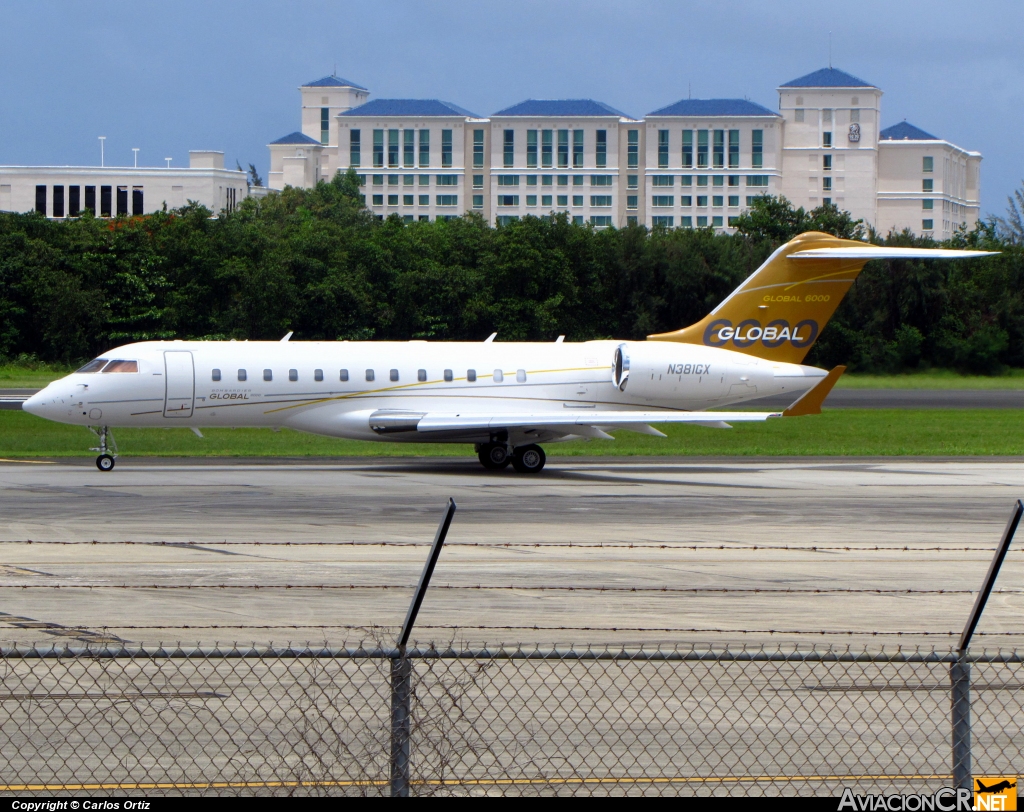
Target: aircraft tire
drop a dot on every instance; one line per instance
(494, 456)
(529, 459)
(105, 462)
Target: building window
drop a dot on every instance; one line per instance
(106, 200)
(685, 201)
(631, 220)
(424, 200)
(447, 180)
(826, 201)
(702, 222)
(545, 148)
(662, 149)
(378, 200)
(826, 184)
(138, 208)
(577, 180)
(702, 201)
(688, 148)
(927, 185)
(353, 148)
(716, 222)
(90, 198)
(661, 180)
(478, 201)
(632, 182)
(601, 221)
(702, 180)
(702, 149)
(601, 154)
(927, 163)
(601, 200)
(734, 201)
(478, 149)
(392, 147)
(757, 148)
(531, 200)
(632, 149)
(325, 125)
(757, 180)
(408, 148)
(407, 200)
(447, 200)
(927, 225)
(563, 200)
(478, 181)
(577, 219)
(545, 200)
(509, 142)
(122, 200)
(686, 180)
(600, 180)
(577, 200)
(378, 147)
(826, 163)
(734, 180)
(446, 148)
(392, 200)
(928, 204)
(734, 149)
(74, 201)
(531, 180)
(718, 155)
(661, 201)
(546, 180)
(577, 148)
(531, 149)
(826, 140)
(631, 201)
(378, 180)
(424, 147)
(717, 201)
(662, 222)
(686, 222)
(424, 180)
(508, 180)
(718, 180)
(58, 201)
(563, 148)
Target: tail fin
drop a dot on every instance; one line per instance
(780, 310)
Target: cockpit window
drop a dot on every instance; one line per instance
(121, 366)
(94, 366)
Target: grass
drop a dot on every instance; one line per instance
(853, 432)
(36, 376)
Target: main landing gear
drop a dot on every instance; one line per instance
(107, 448)
(526, 459)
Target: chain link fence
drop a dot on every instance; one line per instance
(505, 721)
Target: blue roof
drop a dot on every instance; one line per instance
(828, 77)
(409, 107)
(905, 132)
(296, 138)
(333, 81)
(561, 107)
(713, 107)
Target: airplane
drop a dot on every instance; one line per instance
(995, 788)
(505, 398)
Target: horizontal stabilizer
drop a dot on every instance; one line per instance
(810, 401)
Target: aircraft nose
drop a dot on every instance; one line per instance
(35, 405)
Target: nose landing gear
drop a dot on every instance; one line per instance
(107, 448)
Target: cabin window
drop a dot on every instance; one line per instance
(448, 375)
(394, 374)
(94, 366)
(521, 375)
(498, 376)
(241, 375)
(344, 375)
(215, 375)
(421, 375)
(471, 375)
(268, 375)
(318, 374)
(369, 374)
(293, 374)
(122, 366)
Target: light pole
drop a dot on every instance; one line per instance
(102, 139)
(136, 151)
(168, 162)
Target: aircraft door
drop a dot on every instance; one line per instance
(180, 384)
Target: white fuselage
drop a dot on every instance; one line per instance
(332, 388)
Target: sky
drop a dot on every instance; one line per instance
(170, 77)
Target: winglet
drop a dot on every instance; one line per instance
(810, 401)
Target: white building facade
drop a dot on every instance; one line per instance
(696, 163)
(110, 191)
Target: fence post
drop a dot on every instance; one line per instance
(960, 670)
(401, 670)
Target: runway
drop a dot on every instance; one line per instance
(877, 552)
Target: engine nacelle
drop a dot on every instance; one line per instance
(669, 371)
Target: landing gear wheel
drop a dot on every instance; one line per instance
(494, 456)
(105, 462)
(529, 459)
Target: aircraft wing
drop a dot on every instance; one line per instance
(883, 252)
(567, 420)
